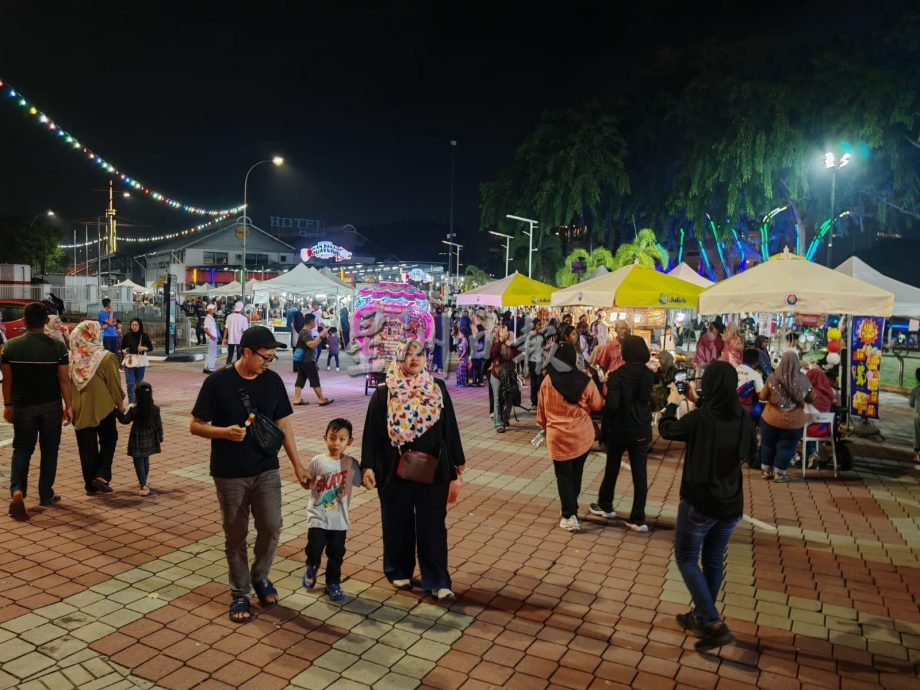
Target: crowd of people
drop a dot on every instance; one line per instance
(590, 381)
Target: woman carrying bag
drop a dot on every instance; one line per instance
(718, 437)
(135, 345)
(411, 451)
(564, 407)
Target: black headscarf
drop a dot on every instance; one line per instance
(720, 390)
(634, 350)
(564, 375)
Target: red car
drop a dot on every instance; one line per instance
(11, 313)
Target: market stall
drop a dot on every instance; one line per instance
(684, 272)
(906, 297)
(514, 290)
(637, 293)
(789, 284)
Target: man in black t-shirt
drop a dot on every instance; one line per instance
(247, 479)
(35, 380)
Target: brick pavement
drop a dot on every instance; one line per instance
(822, 585)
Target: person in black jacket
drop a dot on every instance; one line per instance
(717, 434)
(412, 411)
(628, 418)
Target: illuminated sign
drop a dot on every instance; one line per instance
(324, 250)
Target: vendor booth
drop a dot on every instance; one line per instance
(515, 290)
(906, 297)
(684, 272)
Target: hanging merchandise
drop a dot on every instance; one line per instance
(15, 97)
(866, 357)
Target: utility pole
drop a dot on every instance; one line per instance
(111, 244)
(530, 250)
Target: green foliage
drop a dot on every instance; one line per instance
(643, 250)
(474, 277)
(593, 260)
(25, 242)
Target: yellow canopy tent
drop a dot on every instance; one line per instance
(634, 286)
(514, 290)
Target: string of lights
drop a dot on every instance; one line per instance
(16, 97)
(154, 238)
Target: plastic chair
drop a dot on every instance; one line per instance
(819, 418)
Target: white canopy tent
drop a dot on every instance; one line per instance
(304, 280)
(229, 290)
(199, 290)
(684, 272)
(128, 283)
(906, 297)
(790, 284)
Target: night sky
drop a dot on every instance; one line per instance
(361, 98)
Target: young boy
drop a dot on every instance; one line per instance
(332, 475)
(915, 403)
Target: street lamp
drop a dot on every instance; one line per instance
(533, 226)
(508, 239)
(458, 247)
(276, 161)
(48, 214)
(833, 163)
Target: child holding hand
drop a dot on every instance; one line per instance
(331, 476)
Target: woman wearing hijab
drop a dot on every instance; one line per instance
(135, 344)
(628, 418)
(825, 399)
(706, 348)
(718, 437)
(664, 377)
(564, 408)
(786, 391)
(95, 386)
(412, 411)
(503, 379)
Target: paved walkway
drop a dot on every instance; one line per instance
(116, 591)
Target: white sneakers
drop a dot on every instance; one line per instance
(637, 528)
(570, 524)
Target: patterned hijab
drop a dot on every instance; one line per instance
(788, 385)
(414, 403)
(86, 353)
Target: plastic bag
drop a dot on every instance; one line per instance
(453, 493)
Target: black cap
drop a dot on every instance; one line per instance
(258, 337)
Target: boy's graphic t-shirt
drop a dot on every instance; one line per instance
(333, 481)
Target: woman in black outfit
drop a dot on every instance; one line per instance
(412, 411)
(718, 437)
(628, 418)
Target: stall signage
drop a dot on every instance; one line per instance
(866, 360)
(666, 299)
(324, 250)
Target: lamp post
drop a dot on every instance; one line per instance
(533, 225)
(277, 160)
(458, 248)
(508, 239)
(832, 163)
(47, 213)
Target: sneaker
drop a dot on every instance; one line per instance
(691, 622)
(570, 524)
(636, 527)
(336, 368)
(444, 594)
(309, 577)
(327, 368)
(18, 507)
(595, 509)
(782, 479)
(714, 637)
(335, 592)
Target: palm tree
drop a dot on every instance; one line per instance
(593, 260)
(475, 277)
(643, 250)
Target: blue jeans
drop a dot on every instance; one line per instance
(31, 424)
(695, 533)
(142, 469)
(777, 446)
(133, 375)
(110, 343)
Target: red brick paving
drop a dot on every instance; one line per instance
(551, 609)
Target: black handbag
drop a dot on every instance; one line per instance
(267, 436)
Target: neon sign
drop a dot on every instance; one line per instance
(324, 250)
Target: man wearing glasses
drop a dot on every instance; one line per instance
(247, 479)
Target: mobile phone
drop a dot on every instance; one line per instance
(680, 380)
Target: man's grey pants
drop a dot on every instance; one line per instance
(260, 495)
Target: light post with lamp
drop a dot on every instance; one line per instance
(47, 214)
(530, 250)
(508, 239)
(276, 161)
(458, 247)
(833, 163)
